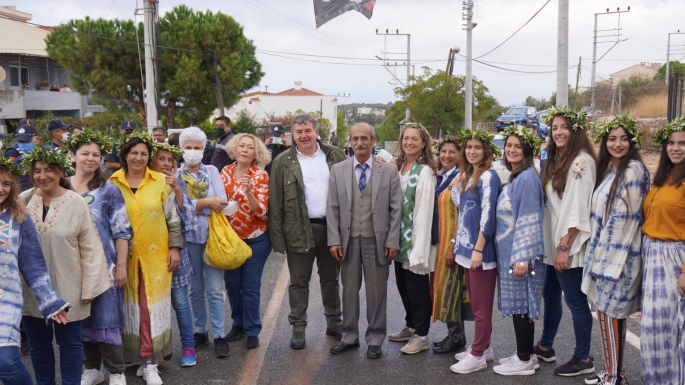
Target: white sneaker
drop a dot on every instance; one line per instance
(469, 364)
(533, 357)
(92, 377)
(117, 379)
(415, 345)
(141, 369)
(151, 375)
(488, 354)
(515, 367)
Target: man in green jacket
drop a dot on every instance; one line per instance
(298, 190)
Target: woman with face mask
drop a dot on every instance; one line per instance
(206, 191)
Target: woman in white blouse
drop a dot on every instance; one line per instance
(416, 259)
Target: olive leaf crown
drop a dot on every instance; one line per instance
(8, 165)
(577, 117)
(447, 138)
(525, 136)
(472, 133)
(662, 134)
(176, 152)
(622, 120)
(45, 155)
(144, 136)
(89, 136)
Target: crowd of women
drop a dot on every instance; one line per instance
(104, 261)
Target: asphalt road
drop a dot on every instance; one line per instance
(274, 362)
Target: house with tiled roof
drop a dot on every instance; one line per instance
(262, 104)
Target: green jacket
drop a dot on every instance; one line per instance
(289, 226)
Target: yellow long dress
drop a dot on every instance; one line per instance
(156, 228)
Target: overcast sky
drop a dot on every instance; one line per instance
(435, 26)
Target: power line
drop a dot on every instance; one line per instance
(110, 8)
(515, 32)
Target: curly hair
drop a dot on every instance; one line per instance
(262, 157)
(12, 204)
(427, 156)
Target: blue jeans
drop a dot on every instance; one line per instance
(207, 283)
(179, 301)
(243, 286)
(569, 282)
(43, 356)
(12, 369)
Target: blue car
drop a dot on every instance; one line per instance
(543, 129)
(524, 116)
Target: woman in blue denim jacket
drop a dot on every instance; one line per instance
(18, 237)
(476, 193)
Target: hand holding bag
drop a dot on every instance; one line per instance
(225, 250)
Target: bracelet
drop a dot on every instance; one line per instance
(480, 251)
(453, 241)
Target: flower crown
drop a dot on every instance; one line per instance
(176, 152)
(577, 117)
(89, 136)
(45, 155)
(662, 134)
(8, 165)
(447, 138)
(623, 120)
(467, 134)
(525, 136)
(145, 137)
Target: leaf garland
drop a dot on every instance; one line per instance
(662, 134)
(471, 133)
(176, 152)
(577, 117)
(622, 120)
(144, 136)
(88, 136)
(525, 136)
(45, 155)
(8, 165)
(447, 138)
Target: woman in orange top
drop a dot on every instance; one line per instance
(248, 185)
(663, 252)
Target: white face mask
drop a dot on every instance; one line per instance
(192, 157)
(277, 140)
(65, 137)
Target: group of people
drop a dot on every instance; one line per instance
(106, 259)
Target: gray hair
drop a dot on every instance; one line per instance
(192, 133)
(369, 126)
(304, 118)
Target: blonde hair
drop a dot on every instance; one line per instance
(262, 156)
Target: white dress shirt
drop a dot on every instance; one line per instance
(358, 171)
(315, 174)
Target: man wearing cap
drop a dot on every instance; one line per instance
(59, 133)
(220, 158)
(112, 160)
(27, 138)
(276, 145)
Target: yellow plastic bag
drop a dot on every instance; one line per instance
(225, 250)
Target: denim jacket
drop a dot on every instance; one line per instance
(20, 252)
(477, 212)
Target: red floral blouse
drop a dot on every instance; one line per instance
(247, 223)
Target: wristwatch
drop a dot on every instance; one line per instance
(563, 247)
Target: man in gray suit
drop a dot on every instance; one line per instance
(364, 214)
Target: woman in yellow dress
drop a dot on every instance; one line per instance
(156, 242)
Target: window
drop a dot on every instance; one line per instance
(15, 80)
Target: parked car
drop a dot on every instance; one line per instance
(588, 111)
(524, 115)
(543, 129)
(498, 162)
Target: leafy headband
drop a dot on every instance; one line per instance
(89, 136)
(577, 117)
(467, 134)
(8, 165)
(623, 120)
(662, 134)
(448, 138)
(145, 137)
(45, 155)
(525, 136)
(176, 152)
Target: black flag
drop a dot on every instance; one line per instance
(327, 10)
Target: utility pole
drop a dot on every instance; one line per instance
(575, 94)
(668, 52)
(562, 54)
(344, 112)
(468, 100)
(151, 19)
(618, 35)
(408, 62)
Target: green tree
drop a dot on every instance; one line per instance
(245, 123)
(389, 129)
(673, 66)
(103, 57)
(322, 124)
(343, 129)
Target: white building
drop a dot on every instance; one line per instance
(264, 104)
(363, 110)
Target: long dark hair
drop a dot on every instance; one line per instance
(559, 162)
(528, 159)
(665, 168)
(126, 148)
(467, 169)
(99, 178)
(603, 162)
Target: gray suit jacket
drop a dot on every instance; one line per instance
(386, 204)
